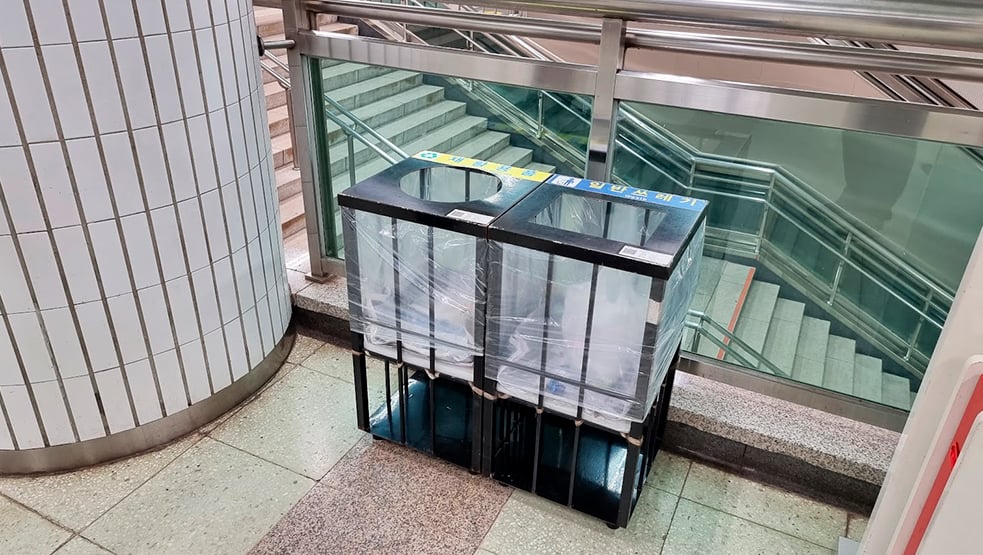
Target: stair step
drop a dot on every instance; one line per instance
(365, 92)
(783, 335)
(268, 79)
(292, 215)
(348, 73)
(443, 139)
(840, 359)
(276, 95)
(279, 122)
(706, 282)
(338, 27)
(896, 391)
(513, 156)
(283, 151)
(287, 183)
(483, 146)
(868, 378)
(755, 320)
(405, 130)
(726, 302)
(388, 109)
(269, 21)
(810, 353)
(545, 168)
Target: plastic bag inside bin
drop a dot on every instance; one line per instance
(539, 343)
(405, 270)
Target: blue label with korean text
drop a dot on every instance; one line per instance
(624, 191)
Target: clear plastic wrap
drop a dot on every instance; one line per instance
(419, 285)
(566, 333)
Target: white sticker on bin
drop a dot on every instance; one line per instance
(647, 256)
(655, 310)
(472, 217)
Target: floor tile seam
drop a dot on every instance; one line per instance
(287, 515)
(704, 505)
(313, 481)
(498, 515)
(200, 436)
(80, 536)
(38, 513)
(319, 372)
(266, 386)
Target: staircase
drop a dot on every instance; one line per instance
(777, 328)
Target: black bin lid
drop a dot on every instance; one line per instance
(443, 191)
(660, 224)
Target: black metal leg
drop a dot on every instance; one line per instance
(631, 466)
(361, 382)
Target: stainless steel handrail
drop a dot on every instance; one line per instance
(729, 341)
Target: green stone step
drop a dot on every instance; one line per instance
(868, 378)
(895, 391)
(810, 354)
(783, 335)
(387, 109)
(840, 359)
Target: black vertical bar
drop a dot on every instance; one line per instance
(663, 415)
(646, 359)
(389, 400)
(467, 186)
(404, 409)
(396, 300)
(487, 309)
(536, 447)
(573, 463)
(479, 415)
(590, 323)
(645, 227)
(361, 382)
(431, 263)
(544, 349)
(628, 481)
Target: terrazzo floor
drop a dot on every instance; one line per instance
(288, 472)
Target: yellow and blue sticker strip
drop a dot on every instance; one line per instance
(624, 191)
(491, 167)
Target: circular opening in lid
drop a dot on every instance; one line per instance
(449, 184)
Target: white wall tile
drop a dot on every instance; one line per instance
(14, 292)
(254, 340)
(62, 69)
(256, 268)
(183, 309)
(204, 161)
(6, 440)
(153, 170)
(188, 77)
(9, 136)
(84, 408)
(56, 187)
(150, 16)
(50, 21)
(194, 234)
(208, 313)
(14, 28)
(242, 81)
(210, 74)
(211, 203)
(30, 97)
(164, 78)
(44, 275)
(234, 336)
(171, 383)
(265, 317)
(200, 14)
(218, 359)
(100, 79)
(226, 283)
(33, 348)
(74, 252)
(64, 342)
(143, 390)
(136, 88)
(168, 237)
(240, 265)
(177, 15)
(232, 6)
(98, 336)
(140, 248)
(195, 370)
(233, 217)
(236, 133)
(123, 180)
(179, 159)
(157, 319)
(129, 330)
(18, 188)
(226, 61)
(223, 147)
(109, 258)
(219, 12)
(90, 180)
(54, 413)
(87, 19)
(22, 419)
(9, 367)
(118, 414)
(122, 21)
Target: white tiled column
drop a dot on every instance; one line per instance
(141, 264)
